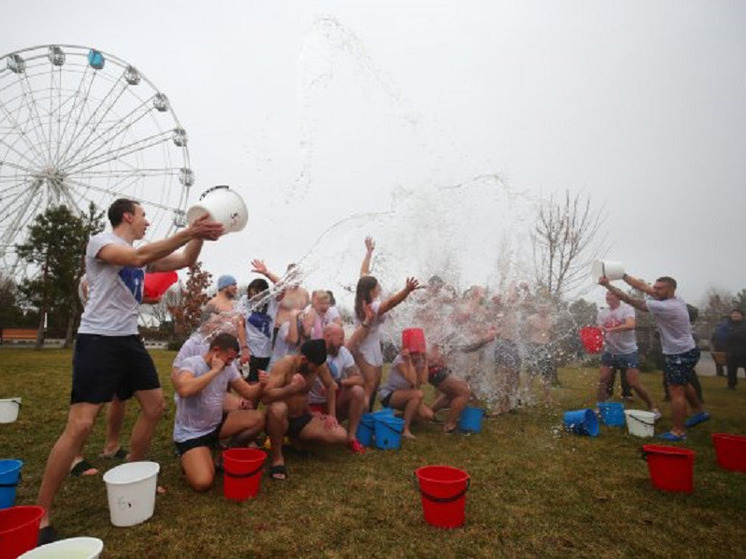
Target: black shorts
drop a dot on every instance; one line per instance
(104, 366)
(211, 440)
(297, 424)
(257, 364)
(436, 375)
(386, 401)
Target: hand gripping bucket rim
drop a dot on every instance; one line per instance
(581, 422)
(91, 547)
(9, 408)
(388, 430)
(592, 338)
(130, 489)
(10, 476)
(470, 420)
(609, 268)
(242, 472)
(224, 206)
(612, 413)
(19, 529)
(671, 468)
(730, 451)
(443, 494)
(640, 423)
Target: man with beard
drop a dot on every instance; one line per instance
(225, 302)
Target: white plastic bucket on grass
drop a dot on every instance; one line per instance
(223, 205)
(640, 423)
(9, 409)
(73, 548)
(608, 268)
(131, 491)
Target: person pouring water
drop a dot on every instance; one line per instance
(680, 353)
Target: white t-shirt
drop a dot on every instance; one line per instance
(282, 347)
(618, 343)
(114, 292)
(339, 366)
(370, 347)
(259, 327)
(672, 319)
(395, 381)
(200, 414)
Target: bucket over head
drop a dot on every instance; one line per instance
(19, 530)
(671, 468)
(443, 494)
(414, 340)
(470, 420)
(592, 338)
(581, 422)
(640, 423)
(131, 492)
(610, 269)
(243, 468)
(730, 451)
(9, 409)
(79, 548)
(223, 205)
(10, 475)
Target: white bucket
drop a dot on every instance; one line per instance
(224, 206)
(131, 491)
(73, 548)
(608, 268)
(640, 423)
(9, 409)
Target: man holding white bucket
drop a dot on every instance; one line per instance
(620, 349)
(680, 353)
(110, 358)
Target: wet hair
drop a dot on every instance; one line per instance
(118, 208)
(225, 342)
(668, 280)
(365, 285)
(321, 295)
(332, 300)
(314, 351)
(258, 285)
(435, 280)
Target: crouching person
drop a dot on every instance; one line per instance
(200, 384)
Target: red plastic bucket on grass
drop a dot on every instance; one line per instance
(443, 491)
(731, 451)
(19, 530)
(414, 340)
(671, 469)
(242, 472)
(592, 338)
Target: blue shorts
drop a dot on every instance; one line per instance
(620, 360)
(679, 368)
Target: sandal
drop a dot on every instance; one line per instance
(83, 468)
(696, 419)
(278, 472)
(673, 437)
(119, 454)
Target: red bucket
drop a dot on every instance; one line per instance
(157, 283)
(671, 469)
(592, 338)
(19, 530)
(731, 451)
(242, 472)
(443, 490)
(414, 340)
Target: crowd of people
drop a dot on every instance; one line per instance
(279, 359)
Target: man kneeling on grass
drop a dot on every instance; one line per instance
(286, 398)
(200, 384)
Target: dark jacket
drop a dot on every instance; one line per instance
(736, 341)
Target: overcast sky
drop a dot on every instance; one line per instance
(315, 111)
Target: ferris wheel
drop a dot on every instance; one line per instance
(78, 125)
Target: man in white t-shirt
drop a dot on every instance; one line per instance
(620, 349)
(680, 353)
(200, 423)
(109, 356)
(350, 393)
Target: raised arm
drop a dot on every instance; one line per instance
(394, 300)
(370, 246)
(259, 267)
(638, 284)
(637, 303)
(160, 255)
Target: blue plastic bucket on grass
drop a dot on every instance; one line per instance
(388, 432)
(383, 412)
(471, 420)
(10, 475)
(365, 429)
(612, 414)
(582, 422)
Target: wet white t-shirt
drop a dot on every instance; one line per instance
(339, 366)
(672, 319)
(618, 343)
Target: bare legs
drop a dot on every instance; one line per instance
(411, 402)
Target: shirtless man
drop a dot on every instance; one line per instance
(539, 333)
(293, 297)
(286, 398)
(226, 302)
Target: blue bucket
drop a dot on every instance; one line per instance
(612, 414)
(383, 412)
(365, 429)
(582, 422)
(10, 475)
(388, 432)
(471, 420)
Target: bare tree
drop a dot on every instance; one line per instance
(567, 237)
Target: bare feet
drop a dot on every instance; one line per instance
(408, 435)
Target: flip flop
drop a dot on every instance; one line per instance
(278, 472)
(697, 418)
(83, 468)
(673, 437)
(119, 454)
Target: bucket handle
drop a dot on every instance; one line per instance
(641, 421)
(456, 497)
(213, 188)
(250, 474)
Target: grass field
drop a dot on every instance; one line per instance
(535, 490)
